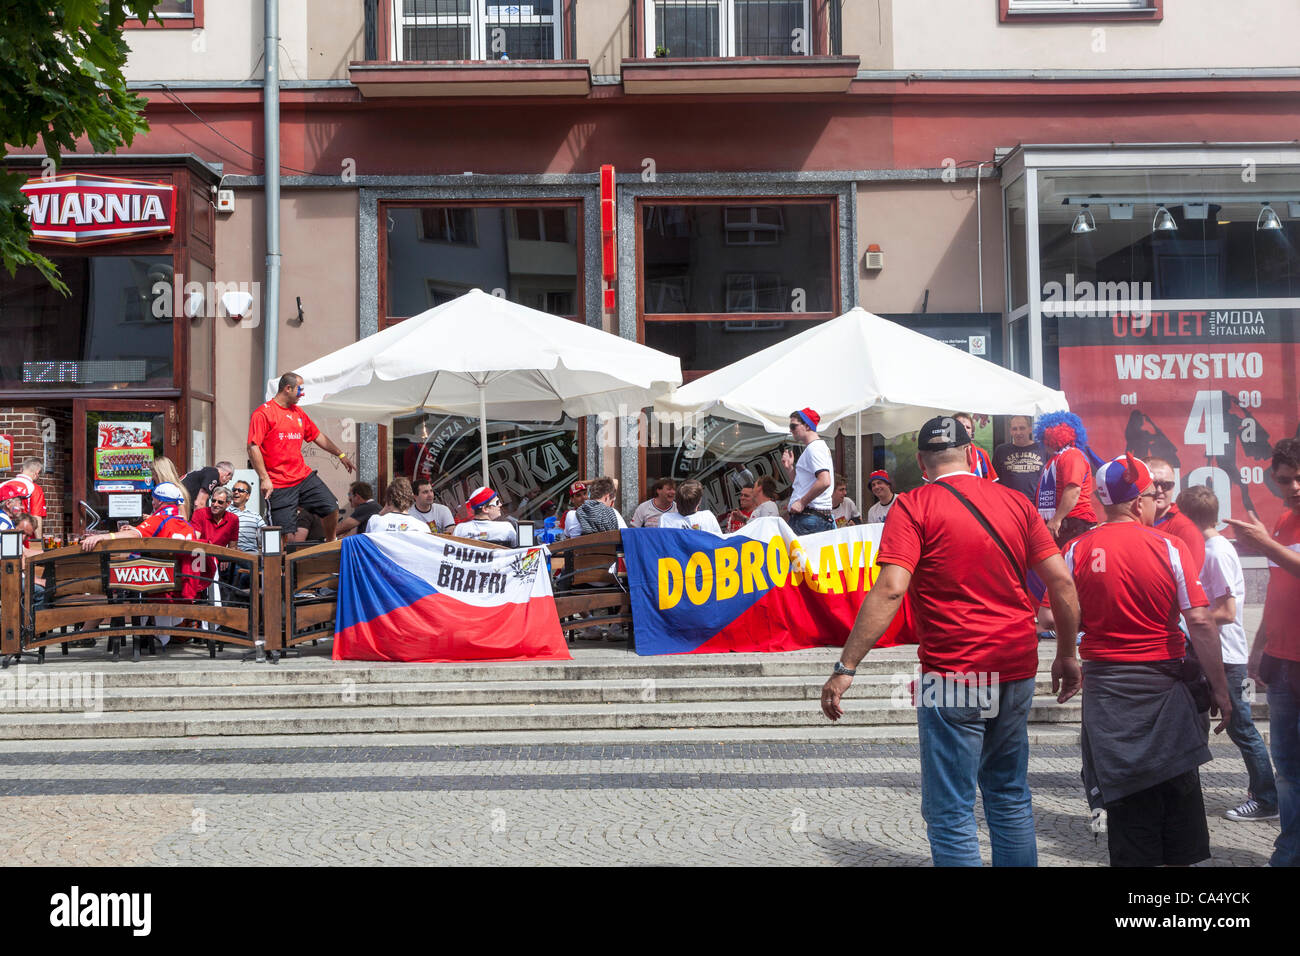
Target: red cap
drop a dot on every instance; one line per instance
(479, 498)
(577, 488)
(810, 418)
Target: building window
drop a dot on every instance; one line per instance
(477, 30)
(175, 8)
(713, 28)
(709, 259)
(527, 253)
(1030, 9)
(114, 330)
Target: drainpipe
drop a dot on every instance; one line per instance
(271, 136)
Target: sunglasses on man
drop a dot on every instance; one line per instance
(1163, 485)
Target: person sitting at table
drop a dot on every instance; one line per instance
(395, 515)
(485, 523)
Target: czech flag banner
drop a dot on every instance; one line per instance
(759, 589)
(419, 598)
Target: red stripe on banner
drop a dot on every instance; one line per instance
(440, 630)
(795, 618)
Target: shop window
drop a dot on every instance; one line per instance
(527, 253)
(531, 464)
(113, 330)
(709, 259)
(715, 28)
(477, 30)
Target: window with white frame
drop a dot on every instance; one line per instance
(1077, 6)
(477, 30)
(175, 8)
(712, 28)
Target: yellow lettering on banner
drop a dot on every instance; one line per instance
(698, 567)
(670, 583)
(778, 562)
(798, 564)
(726, 560)
(751, 564)
(852, 570)
(831, 583)
(870, 568)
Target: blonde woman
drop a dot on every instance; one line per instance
(164, 470)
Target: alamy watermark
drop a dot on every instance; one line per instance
(1079, 298)
(25, 689)
(633, 428)
(977, 689)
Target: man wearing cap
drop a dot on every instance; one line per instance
(1144, 733)
(276, 432)
(485, 523)
(577, 495)
(812, 479)
(13, 507)
(959, 548)
(660, 503)
(882, 488)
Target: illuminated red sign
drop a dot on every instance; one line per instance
(84, 210)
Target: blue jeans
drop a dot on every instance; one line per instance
(1241, 730)
(1284, 738)
(960, 748)
(805, 523)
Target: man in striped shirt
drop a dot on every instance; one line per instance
(250, 522)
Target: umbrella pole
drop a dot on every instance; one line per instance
(482, 430)
(857, 446)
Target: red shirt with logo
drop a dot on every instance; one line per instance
(969, 611)
(1282, 603)
(1180, 526)
(1134, 582)
(279, 432)
(167, 522)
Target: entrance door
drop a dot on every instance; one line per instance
(115, 444)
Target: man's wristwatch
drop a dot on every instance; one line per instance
(841, 669)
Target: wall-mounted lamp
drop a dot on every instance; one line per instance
(11, 544)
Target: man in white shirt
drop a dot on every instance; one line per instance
(394, 517)
(660, 503)
(882, 489)
(433, 513)
(486, 523)
(1225, 587)
(844, 510)
(765, 499)
(689, 514)
(812, 478)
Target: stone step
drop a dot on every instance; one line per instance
(494, 718)
(315, 667)
(458, 693)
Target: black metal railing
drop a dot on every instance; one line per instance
(836, 8)
(372, 29)
(456, 30)
(695, 28)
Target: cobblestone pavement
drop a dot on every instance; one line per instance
(632, 804)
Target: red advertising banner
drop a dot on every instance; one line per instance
(1209, 390)
(84, 210)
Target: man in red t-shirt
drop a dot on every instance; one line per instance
(276, 432)
(1168, 518)
(959, 548)
(1275, 653)
(1143, 739)
(1065, 486)
(35, 505)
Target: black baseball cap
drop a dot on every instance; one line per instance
(941, 433)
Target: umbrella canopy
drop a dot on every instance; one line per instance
(863, 374)
(524, 364)
(483, 356)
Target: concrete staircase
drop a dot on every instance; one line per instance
(604, 694)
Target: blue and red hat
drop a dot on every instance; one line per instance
(169, 492)
(810, 418)
(1122, 479)
(480, 498)
(880, 475)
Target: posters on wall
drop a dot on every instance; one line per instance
(1210, 390)
(124, 457)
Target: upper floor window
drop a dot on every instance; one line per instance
(1078, 6)
(709, 28)
(175, 8)
(477, 30)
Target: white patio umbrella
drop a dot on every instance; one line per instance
(863, 374)
(482, 355)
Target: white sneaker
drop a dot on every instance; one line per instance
(1251, 810)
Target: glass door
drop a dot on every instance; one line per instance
(116, 443)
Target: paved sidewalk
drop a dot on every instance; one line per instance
(623, 804)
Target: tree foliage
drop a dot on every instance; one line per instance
(61, 79)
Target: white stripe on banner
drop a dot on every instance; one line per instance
(484, 577)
